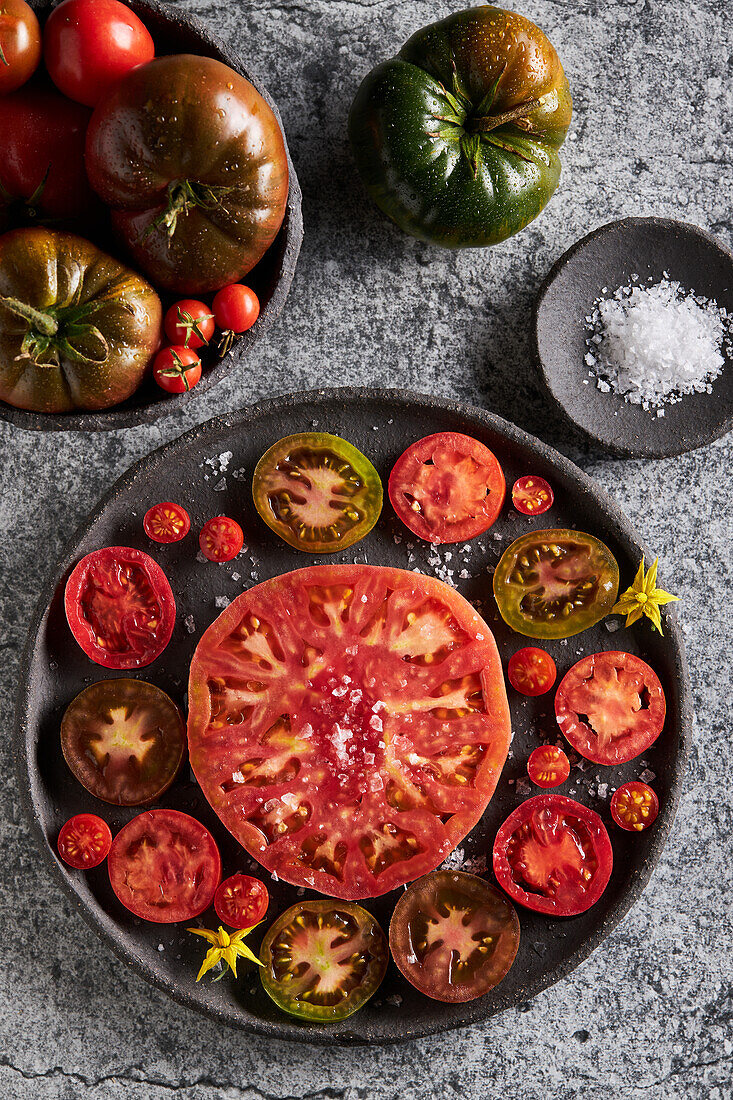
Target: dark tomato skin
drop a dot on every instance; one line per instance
(189, 323)
(236, 308)
(548, 766)
(221, 539)
(20, 45)
(89, 45)
(84, 841)
(634, 806)
(241, 901)
(177, 369)
(166, 522)
(532, 495)
(531, 671)
(553, 855)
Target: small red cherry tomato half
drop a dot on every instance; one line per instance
(221, 539)
(20, 44)
(634, 806)
(189, 324)
(166, 522)
(548, 766)
(236, 308)
(531, 671)
(84, 841)
(89, 45)
(177, 369)
(532, 495)
(553, 855)
(241, 901)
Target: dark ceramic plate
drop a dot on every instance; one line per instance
(381, 423)
(176, 31)
(608, 257)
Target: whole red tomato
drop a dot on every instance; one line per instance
(236, 308)
(177, 369)
(20, 44)
(89, 45)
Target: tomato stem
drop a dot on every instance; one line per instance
(492, 122)
(183, 196)
(43, 323)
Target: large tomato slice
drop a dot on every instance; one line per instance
(348, 724)
(610, 707)
(447, 487)
(553, 855)
(555, 583)
(453, 936)
(164, 866)
(120, 607)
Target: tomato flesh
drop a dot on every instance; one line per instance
(531, 671)
(120, 607)
(164, 866)
(241, 901)
(553, 855)
(634, 806)
(532, 495)
(221, 539)
(166, 522)
(84, 841)
(323, 960)
(548, 766)
(555, 583)
(453, 936)
(348, 724)
(447, 487)
(610, 707)
(317, 492)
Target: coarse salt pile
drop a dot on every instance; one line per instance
(655, 343)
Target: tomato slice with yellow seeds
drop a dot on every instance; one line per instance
(124, 740)
(610, 707)
(531, 671)
(241, 901)
(166, 522)
(323, 960)
(555, 583)
(348, 724)
(553, 855)
(317, 492)
(453, 936)
(532, 495)
(84, 841)
(548, 766)
(634, 806)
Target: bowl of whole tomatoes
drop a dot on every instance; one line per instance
(150, 214)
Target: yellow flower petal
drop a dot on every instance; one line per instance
(638, 584)
(651, 578)
(224, 938)
(624, 605)
(652, 612)
(246, 953)
(211, 937)
(634, 615)
(230, 958)
(660, 597)
(213, 956)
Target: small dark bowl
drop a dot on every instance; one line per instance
(177, 32)
(608, 257)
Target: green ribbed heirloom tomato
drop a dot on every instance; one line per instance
(457, 137)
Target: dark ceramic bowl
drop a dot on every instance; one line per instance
(176, 31)
(608, 257)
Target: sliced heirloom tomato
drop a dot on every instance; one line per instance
(164, 866)
(548, 766)
(166, 522)
(241, 901)
(124, 741)
(120, 607)
(84, 841)
(348, 724)
(531, 671)
(221, 539)
(453, 936)
(447, 487)
(317, 492)
(323, 960)
(634, 806)
(553, 855)
(555, 583)
(610, 707)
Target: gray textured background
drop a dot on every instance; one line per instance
(650, 1013)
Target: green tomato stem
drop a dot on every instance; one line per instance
(492, 122)
(43, 323)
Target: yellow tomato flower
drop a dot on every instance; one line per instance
(225, 947)
(643, 598)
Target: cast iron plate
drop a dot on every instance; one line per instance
(176, 31)
(608, 257)
(381, 423)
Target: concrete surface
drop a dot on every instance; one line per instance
(649, 1015)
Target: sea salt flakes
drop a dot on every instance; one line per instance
(189, 623)
(221, 601)
(647, 775)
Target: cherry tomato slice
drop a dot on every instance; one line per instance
(241, 901)
(120, 607)
(453, 936)
(20, 44)
(221, 539)
(531, 671)
(84, 841)
(177, 369)
(447, 487)
(164, 866)
(532, 495)
(634, 806)
(553, 855)
(610, 707)
(166, 522)
(189, 323)
(323, 960)
(236, 308)
(548, 766)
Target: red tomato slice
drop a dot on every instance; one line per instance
(532, 495)
(610, 707)
(164, 866)
(120, 607)
(241, 901)
(221, 539)
(634, 806)
(167, 522)
(84, 841)
(348, 724)
(553, 855)
(548, 766)
(447, 487)
(531, 671)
